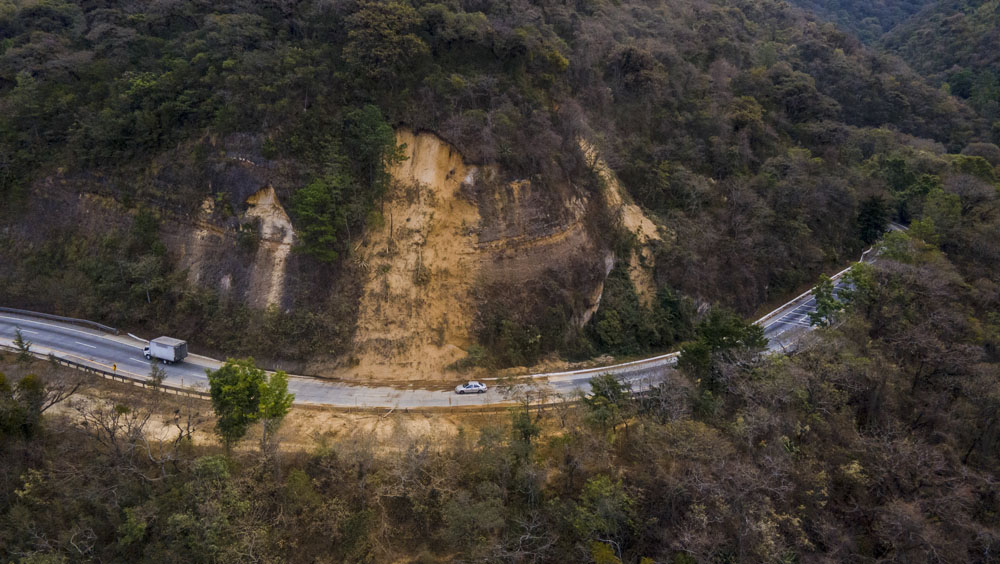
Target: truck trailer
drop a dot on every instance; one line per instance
(167, 349)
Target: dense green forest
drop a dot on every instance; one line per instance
(761, 138)
(955, 43)
(868, 20)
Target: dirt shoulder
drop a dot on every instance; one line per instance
(304, 428)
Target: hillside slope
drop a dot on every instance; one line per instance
(868, 20)
(956, 43)
(232, 172)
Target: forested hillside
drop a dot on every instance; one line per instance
(761, 141)
(956, 43)
(878, 442)
(868, 20)
(216, 170)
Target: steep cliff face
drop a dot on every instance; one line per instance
(206, 249)
(420, 265)
(267, 279)
(449, 238)
(448, 230)
(631, 218)
(241, 239)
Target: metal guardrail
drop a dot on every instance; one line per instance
(108, 375)
(51, 317)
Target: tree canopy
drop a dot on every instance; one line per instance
(243, 394)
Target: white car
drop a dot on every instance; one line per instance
(471, 388)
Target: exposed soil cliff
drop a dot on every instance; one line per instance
(631, 217)
(450, 237)
(420, 265)
(449, 230)
(241, 239)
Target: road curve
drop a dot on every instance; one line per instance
(783, 327)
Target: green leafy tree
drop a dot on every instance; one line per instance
(719, 335)
(235, 391)
(623, 326)
(607, 400)
(322, 215)
(275, 401)
(827, 305)
(722, 329)
(242, 394)
(975, 166)
(873, 217)
(944, 209)
(356, 179)
(605, 512)
(22, 345)
(21, 406)
(380, 40)
(898, 174)
(925, 230)
(370, 147)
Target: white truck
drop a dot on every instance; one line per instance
(167, 349)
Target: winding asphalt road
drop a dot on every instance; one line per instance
(783, 327)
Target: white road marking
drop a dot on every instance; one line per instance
(142, 362)
(29, 331)
(85, 344)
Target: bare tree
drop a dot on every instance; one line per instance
(121, 429)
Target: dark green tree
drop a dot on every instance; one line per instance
(243, 394)
(356, 178)
(235, 390)
(321, 215)
(607, 400)
(721, 334)
(722, 330)
(827, 305)
(21, 406)
(873, 217)
(370, 147)
(380, 40)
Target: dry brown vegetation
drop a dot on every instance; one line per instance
(877, 442)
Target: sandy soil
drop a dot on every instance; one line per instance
(424, 262)
(267, 279)
(421, 266)
(305, 428)
(648, 234)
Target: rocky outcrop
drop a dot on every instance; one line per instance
(447, 238)
(647, 234)
(241, 239)
(267, 278)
